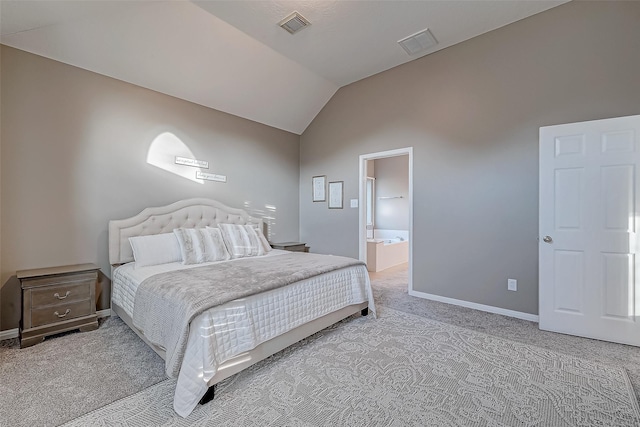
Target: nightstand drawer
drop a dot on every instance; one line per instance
(59, 313)
(61, 294)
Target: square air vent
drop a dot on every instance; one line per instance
(294, 23)
(418, 42)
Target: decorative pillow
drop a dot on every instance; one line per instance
(199, 245)
(265, 243)
(241, 240)
(214, 247)
(191, 244)
(155, 249)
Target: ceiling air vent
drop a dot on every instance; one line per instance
(294, 23)
(418, 42)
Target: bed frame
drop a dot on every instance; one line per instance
(197, 213)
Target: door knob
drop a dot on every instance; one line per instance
(547, 239)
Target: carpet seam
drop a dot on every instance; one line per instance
(113, 403)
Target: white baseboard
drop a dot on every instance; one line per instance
(104, 313)
(476, 306)
(9, 334)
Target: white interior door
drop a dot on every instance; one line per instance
(589, 209)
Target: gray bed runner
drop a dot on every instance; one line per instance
(166, 303)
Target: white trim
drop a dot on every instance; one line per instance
(362, 219)
(9, 334)
(476, 306)
(103, 313)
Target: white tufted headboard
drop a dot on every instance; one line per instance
(190, 213)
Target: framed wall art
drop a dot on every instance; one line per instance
(318, 186)
(336, 194)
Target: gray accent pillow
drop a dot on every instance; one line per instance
(242, 240)
(199, 245)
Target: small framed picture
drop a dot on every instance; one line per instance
(336, 194)
(318, 186)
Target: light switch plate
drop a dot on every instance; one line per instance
(354, 203)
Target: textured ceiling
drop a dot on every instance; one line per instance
(232, 56)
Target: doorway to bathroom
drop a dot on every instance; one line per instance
(385, 225)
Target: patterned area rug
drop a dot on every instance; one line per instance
(399, 370)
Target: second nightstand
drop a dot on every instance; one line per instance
(57, 299)
(291, 246)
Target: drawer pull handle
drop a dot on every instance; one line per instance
(57, 295)
(63, 315)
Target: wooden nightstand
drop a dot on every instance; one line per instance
(291, 246)
(57, 299)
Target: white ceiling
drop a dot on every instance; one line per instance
(232, 56)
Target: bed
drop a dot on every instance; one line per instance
(219, 341)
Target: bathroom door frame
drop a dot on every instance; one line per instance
(362, 196)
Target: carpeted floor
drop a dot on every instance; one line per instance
(69, 375)
(78, 373)
(390, 290)
(400, 370)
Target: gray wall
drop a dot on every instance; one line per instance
(74, 150)
(392, 180)
(472, 113)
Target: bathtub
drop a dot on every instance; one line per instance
(387, 249)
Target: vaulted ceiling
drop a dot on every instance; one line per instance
(232, 55)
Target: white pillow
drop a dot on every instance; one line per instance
(155, 249)
(241, 240)
(199, 245)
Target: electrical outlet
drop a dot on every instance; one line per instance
(512, 284)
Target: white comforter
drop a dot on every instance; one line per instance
(228, 330)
